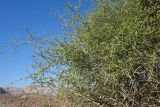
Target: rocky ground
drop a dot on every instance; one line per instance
(27, 100)
(36, 101)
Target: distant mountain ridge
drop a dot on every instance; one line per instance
(27, 90)
(2, 91)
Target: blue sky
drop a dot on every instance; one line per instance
(39, 16)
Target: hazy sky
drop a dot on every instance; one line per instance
(15, 15)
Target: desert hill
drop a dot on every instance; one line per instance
(27, 90)
(28, 97)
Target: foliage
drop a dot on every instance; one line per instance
(111, 57)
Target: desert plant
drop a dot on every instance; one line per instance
(111, 57)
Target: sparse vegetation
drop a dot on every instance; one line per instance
(30, 101)
(12, 97)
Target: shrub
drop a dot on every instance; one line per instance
(112, 56)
